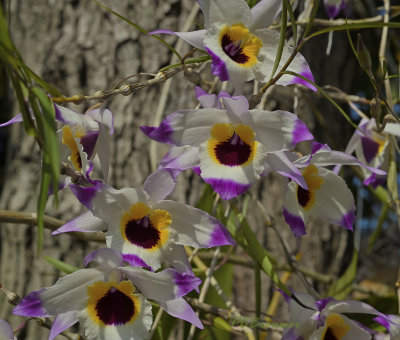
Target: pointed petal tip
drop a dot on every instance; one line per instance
(296, 223)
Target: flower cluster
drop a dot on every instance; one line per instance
(230, 146)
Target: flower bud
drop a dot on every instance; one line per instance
(363, 55)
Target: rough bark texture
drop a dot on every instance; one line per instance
(80, 48)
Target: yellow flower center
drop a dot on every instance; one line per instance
(336, 328)
(240, 45)
(306, 198)
(69, 140)
(144, 227)
(232, 145)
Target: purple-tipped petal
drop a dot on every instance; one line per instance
(104, 117)
(181, 309)
(306, 74)
(296, 223)
(218, 67)
(220, 236)
(135, 261)
(185, 283)
(62, 322)
(348, 220)
(85, 223)
(31, 305)
(301, 132)
(226, 188)
(88, 142)
(17, 119)
(163, 133)
(85, 195)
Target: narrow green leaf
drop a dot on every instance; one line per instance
(4, 34)
(28, 123)
(42, 199)
(312, 17)
(60, 265)
(343, 286)
(140, 29)
(282, 39)
(49, 135)
(292, 19)
(392, 184)
(222, 324)
(188, 61)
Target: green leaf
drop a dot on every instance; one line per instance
(282, 40)
(60, 265)
(292, 19)
(343, 286)
(42, 199)
(49, 137)
(312, 17)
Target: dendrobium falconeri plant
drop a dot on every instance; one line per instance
(228, 147)
(325, 193)
(231, 146)
(327, 319)
(110, 299)
(144, 227)
(240, 45)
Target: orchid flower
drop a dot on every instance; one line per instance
(325, 194)
(110, 300)
(6, 331)
(144, 227)
(82, 137)
(240, 45)
(333, 7)
(371, 147)
(327, 319)
(228, 146)
(392, 324)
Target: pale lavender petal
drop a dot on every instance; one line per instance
(85, 223)
(228, 12)
(159, 184)
(6, 331)
(181, 309)
(17, 119)
(235, 107)
(264, 13)
(102, 151)
(218, 67)
(62, 322)
(296, 223)
(226, 188)
(104, 117)
(180, 158)
(194, 38)
(206, 100)
(31, 305)
(106, 258)
(163, 285)
(279, 162)
(176, 257)
(195, 227)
